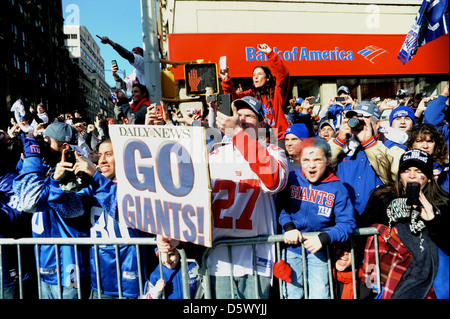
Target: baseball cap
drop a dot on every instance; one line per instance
(138, 49)
(299, 101)
(417, 158)
(344, 89)
(252, 103)
(62, 132)
(298, 129)
(364, 108)
(326, 123)
(402, 110)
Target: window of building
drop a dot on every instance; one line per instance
(16, 62)
(26, 66)
(24, 39)
(74, 36)
(14, 30)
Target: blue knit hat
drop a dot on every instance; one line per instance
(402, 110)
(298, 129)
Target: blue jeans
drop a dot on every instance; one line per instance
(49, 291)
(243, 287)
(316, 274)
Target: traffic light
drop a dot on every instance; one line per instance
(168, 86)
(199, 76)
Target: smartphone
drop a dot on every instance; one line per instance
(412, 193)
(211, 98)
(114, 63)
(314, 100)
(159, 110)
(339, 99)
(224, 103)
(223, 63)
(70, 156)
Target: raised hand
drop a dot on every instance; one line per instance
(194, 80)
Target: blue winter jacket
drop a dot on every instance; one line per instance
(99, 202)
(435, 115)
(32, 187)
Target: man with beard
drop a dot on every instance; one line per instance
(32, 186)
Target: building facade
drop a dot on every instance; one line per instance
(85, 52)
(34, 64)
(324, 43)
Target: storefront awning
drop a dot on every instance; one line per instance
(311, 54)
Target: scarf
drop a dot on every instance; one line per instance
(399, 211)
(346, 278)
(136, 107)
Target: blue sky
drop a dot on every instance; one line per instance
(120, 20)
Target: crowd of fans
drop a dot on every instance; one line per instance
(347, 165)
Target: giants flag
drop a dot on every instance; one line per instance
(431, 22)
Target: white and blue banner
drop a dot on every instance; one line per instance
(431, 22)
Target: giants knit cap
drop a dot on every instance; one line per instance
(298, 129)
(402, 110)
(62, 132)
(417, 158)
(252, 103)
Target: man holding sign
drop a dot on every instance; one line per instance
(245, 175)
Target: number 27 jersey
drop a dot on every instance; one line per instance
(245, 175)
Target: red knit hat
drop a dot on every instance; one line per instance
(282, 271)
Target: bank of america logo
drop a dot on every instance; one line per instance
(371, 52)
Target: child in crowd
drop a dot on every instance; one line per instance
(171, 283)
(313, 201)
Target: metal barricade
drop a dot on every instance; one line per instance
(76, 242)
(277, 240)
(201, 270)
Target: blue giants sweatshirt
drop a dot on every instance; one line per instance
(322, 206)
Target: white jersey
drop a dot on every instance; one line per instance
(138, 74)
(245, 175)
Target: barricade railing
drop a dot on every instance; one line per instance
(201, 270)
(76, 242)
(277, 240)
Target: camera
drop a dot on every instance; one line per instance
(356, 124)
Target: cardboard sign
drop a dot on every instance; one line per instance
(163, 184)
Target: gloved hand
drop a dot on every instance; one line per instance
(282, 271)
(33, 161)
(30, 147)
